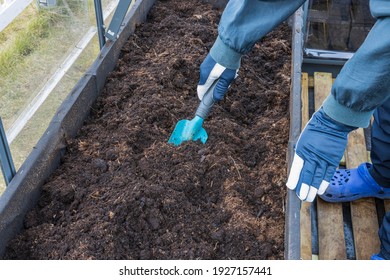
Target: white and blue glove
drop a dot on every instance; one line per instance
(210, 72)
(318, 152)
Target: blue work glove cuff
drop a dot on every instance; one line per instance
(346, 115)
(330, 124)
(225, 55)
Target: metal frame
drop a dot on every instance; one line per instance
(326, 54)
(7, 164)
(100, 22)
(117, 19)
(293, 203)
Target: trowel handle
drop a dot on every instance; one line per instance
(206, 104)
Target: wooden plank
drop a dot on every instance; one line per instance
(305, 220)
(322, 87)
(305, 100)
(305, 230)
(311, 81)
(330, 215)
(356, 151)
(365, 228)
(342, 161)
(331, 238)
(363, 212)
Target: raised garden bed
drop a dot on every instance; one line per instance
(122, 192)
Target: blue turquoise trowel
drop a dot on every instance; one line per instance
(192, 130)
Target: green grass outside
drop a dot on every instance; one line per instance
(25, 43)
(31, 49)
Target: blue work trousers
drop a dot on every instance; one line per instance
(380, 171)
(380, 145)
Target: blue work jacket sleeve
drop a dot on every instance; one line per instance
(244, 22)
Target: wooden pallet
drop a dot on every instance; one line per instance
(331, 218)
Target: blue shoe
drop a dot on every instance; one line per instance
(352, 184)
(377, 257)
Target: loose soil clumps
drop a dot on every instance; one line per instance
(123, 192)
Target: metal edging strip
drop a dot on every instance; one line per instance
(7, 164)
(293, 204)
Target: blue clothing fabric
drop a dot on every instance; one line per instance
(380, 145)
(380, 8)
(384, 236)
(380, 169)
(244, 22)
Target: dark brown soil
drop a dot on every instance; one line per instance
(123, 192)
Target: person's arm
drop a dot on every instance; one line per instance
(362, 86)
(243, 23)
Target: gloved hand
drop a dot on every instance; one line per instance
(318, 152)
(210, 71)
